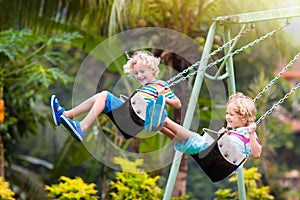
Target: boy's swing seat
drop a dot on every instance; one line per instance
(220, 159)
(129, 118)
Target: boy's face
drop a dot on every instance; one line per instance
(233, 119)
(143, 73)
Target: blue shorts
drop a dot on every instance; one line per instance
(112, 102)
(195, 144)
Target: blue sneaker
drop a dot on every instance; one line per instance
(162, 120)
(159, 113)
(56, 113)
(73, 127)
(148, 121)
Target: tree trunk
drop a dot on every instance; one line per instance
(180, 184)
(2, 113)
(1, 157)
(105, 186)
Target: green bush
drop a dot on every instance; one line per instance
(72, 189)
(135, 184)
(223, 194)
(253, 186)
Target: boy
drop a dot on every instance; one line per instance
(144, 67)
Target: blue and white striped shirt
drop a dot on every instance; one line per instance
(149, 91)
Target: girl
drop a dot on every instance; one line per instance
(240, 117)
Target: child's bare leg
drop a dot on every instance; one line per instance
(94, 106)
(87, 105)
(179, 132)
(168, 132)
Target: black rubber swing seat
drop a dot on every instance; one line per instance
(129, 118)
(220, 159)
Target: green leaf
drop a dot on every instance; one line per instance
(66, 38)
(7, 51)
(46, 77)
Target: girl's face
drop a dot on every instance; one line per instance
(233, 119)
(143, 73)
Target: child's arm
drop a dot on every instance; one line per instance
(254, 144)
(222, 130)
(174, 102)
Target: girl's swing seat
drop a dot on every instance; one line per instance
(220, 159)
(129, 118)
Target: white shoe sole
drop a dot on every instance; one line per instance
(52, 110)
(70, 127)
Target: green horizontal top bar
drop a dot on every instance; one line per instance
(260, 16)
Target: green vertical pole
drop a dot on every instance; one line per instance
(232, 90)
(241, 184)
(229, 63)
(190, 110)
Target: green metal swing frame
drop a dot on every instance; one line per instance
(226, 22)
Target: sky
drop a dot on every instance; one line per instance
(294, 29)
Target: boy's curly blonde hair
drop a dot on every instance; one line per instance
(244, 106)
(142, 57)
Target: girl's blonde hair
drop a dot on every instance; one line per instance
(142, 57)
(244, 106)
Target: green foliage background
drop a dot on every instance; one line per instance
(42, 45)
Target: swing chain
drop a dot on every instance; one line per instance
(250, 27)
(277, 76)
(268, 112)
(227, 56)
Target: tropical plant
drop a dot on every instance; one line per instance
(5, 192)
(29, 65)
(253, 187)
(223, 194)
(69, 189)
(134, 183)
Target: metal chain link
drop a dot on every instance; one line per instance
(268, 112)
(250, 27)
(228, 55)
(277, 77)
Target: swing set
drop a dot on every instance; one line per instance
(227, 61)
(219, 160)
